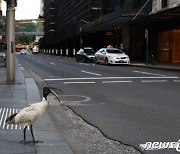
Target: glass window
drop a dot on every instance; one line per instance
(164, 3)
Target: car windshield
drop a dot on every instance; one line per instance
(114, 51)
(89, 51)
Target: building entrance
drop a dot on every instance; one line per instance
(169, 46)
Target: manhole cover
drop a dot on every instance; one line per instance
(71, 100)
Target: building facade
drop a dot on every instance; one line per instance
(168, 49)
(163, 25)
(70, 25)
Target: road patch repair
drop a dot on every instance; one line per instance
(79, 133)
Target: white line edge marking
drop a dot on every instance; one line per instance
(91, 73)
(154, 81)
(78, 82)
(101, 78)
(149, 73)
(116, 81)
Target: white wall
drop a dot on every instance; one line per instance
(156, 6)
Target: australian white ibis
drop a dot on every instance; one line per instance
(28, 115)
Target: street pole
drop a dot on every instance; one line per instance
(147, 45)
(10, 40)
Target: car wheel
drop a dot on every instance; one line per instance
(106, 62)
(84, 60)
(96, 61)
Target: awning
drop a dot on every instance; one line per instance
(165, 15)
(106, 24)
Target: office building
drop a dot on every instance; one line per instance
(70, 25)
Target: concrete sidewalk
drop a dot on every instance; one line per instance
(162, 66)
(14, 97)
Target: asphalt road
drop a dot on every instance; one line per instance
(129, 104)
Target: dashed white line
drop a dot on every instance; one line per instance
(91, 73)
(79, 82)
(52, 63)
(148, 73)
(176, 80)
(84, 64)
(154, 81)
(116, 81)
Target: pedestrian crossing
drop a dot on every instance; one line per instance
(4, 114)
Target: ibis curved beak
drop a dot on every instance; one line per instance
(54, 93)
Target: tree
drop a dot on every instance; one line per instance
(25, 39)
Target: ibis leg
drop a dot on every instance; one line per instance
(31, 129)
(25, 133)
(24, 141)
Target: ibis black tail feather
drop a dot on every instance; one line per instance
(10, 120)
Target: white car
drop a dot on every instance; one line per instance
(23, 51)
(111, 56)
(34, 51)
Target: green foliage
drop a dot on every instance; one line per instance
(25, 27)
(24, 39)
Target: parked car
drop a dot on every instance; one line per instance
(86, 55)
(2, 57)
(111, 56)
(34, 51)
(23, 51)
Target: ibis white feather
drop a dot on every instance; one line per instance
(28, 115)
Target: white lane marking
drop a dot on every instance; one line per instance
(90, 73)
(176, 80)
(9, 116)
(84, 64)
(148, 73)
(116, 81)
(154, 81)
(79, 82)
(22, 68)
(102, 78)
(5, 118)
(2, 116)
(52, 63)
(13, 113)
(16, 126)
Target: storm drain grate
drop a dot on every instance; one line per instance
(4, 114)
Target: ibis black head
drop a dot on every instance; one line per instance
(48, 90)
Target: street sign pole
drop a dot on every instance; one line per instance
(10, 40)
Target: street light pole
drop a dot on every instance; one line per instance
(10, 40)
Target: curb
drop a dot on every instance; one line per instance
(43, 128)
